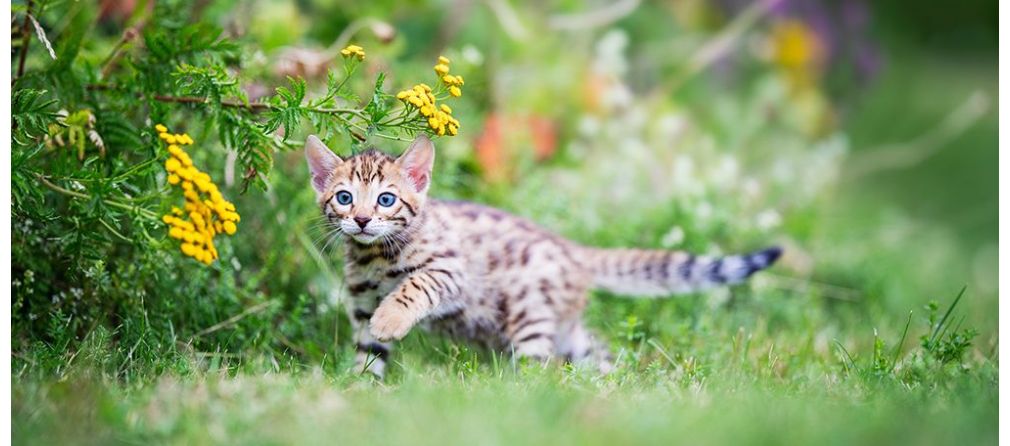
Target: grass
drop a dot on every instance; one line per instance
(515, 408)
(757, 371)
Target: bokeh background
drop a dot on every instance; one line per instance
(859, 135)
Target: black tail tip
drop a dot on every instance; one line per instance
(766, 257)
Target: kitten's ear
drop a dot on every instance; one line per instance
(417, 161)
(322, 162)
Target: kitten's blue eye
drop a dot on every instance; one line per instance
(344, 197)
(387, 199)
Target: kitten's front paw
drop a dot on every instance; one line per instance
(390, 323)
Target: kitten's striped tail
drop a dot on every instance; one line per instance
(638, 272)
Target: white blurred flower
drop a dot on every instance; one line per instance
(673, 238)
(726, 172)
(589, 125)
(636, 149)
(618, 96)
(610, 58)
(751, 187)
(703, 211)
(767, 219)
(718, 297)
(472, 55)
(683, 178)
(670, 127)
(635, 120)
(821, 167)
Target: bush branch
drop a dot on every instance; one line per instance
(145, 212)
(257, 107)
(25, 40)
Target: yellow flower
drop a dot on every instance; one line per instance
(205, 208)
(436, 116)
(161, 128)
(353, 51)
(794, 43)
(450, 80)
(798, 51)
(172, 165)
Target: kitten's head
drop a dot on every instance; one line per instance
(371, 196)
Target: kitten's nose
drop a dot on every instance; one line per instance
(362, 221)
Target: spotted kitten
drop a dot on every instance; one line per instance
(477, 273)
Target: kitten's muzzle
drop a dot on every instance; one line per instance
(362, 221)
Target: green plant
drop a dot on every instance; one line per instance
(91, 247)
(947, 342)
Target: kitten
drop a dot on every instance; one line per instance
(477, 273)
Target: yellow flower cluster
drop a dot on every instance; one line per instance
(453, 83)
(353, 51)
(206, 212)
(439, 116)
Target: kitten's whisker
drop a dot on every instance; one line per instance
(325, 235)
(333, 236)
(321, 230)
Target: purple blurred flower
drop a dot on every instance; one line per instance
(842, 27)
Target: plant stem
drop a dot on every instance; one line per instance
(145, 212)
(25, 41)
(252, 106)
(114, 56)
(263, 106)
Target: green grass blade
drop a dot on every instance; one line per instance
(897, 349)
(936, 330)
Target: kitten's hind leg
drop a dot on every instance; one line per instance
(531, 331)
(582, 347)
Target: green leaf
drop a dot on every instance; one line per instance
(70, 40)
(31, 114)
(378, 107)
